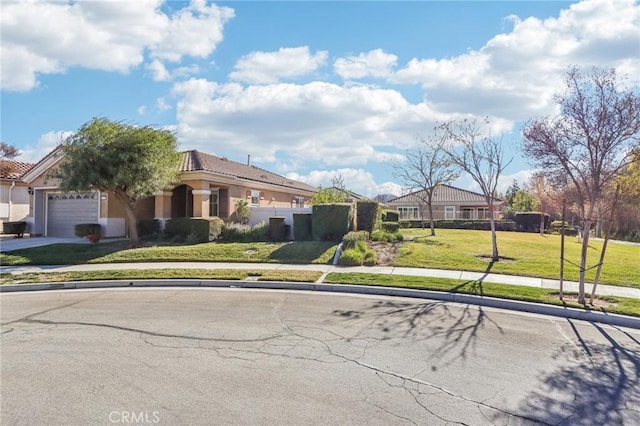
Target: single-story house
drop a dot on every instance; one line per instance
(208, 186)
(14, 193)
(448, 203)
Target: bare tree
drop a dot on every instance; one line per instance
(482, 157)
(7, 152)
(423, 169)
(589, 143)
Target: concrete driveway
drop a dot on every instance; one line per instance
(9, 243)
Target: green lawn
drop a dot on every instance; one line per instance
(116, 252)
(528, 254)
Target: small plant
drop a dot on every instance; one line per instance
(238, 233)
(351, 238)
(387, 237)
(359, 255)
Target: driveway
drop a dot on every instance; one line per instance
(9, 243)
(240, 357)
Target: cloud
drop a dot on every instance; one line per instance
(359, 181)
(159, 71)
(142, 109)
(46, 143)
(272, 67)
(50, 37)
(162, 104)
(515, 74)
(375, 63)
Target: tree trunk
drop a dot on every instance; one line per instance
(494, 241)
(583, 259)
(433, 227)
(541, 223)
(130, 216)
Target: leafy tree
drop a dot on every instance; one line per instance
(511, 192)
(482, 157)
(243, 212)
(523, 202)
(589, 143)
(423, 169)
(129, 161)
(7, 152)
(337, 193)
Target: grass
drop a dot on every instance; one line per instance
(528, 255)
(318, 252)
(619, 305)
(150, 274)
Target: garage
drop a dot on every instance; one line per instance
(65, 210)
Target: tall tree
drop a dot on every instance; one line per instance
(129, 161)
(589, 143)
(337, 193)
(423, 169)
(482, 158)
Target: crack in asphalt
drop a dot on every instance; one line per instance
(367, 401)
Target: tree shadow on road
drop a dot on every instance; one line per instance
(600, 385)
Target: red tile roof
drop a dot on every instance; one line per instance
(196, 161)
(445, 194)
(10, 169)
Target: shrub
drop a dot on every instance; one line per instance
(358, 255)
(350, 239)
(387, 237)
(390, 216)
(148, 227)
(243, 211)
(276, 228)
(17, 228)
(369, 215)
(302, 226)
(239, 233)
(196, 230)
(556, 228)
(83, 229)
(331, 221)
(391, 227)
(477, 224)
(530, 221)
(370, 258)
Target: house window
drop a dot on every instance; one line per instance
(408, 213)
(450, 212)
(255, 198)
(483, 213)
(467, 213)
(298, 202)
(214, 203)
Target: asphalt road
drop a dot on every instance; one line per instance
(232, 356)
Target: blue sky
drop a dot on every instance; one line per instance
(310, 90)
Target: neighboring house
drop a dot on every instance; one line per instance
(14, 193)
(349, 196)
(208, 186)
(448, 202)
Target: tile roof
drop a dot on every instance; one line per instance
(195, 161)
(445, 194)
(10, 169)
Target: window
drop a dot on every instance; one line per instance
(297, 202)
(467, 213)
(483, 213)
(255, 198)
(450, 212)
(214, 203)
(408, 213)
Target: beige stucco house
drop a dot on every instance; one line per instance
(448, 203)
(208, 186)
(14, 193)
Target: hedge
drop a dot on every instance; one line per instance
(240, 233)
(481, 225)
(530, 221)
(17, 228)
(391, 227)
(556, 228)
(302, 226)
(331, 221)
(276, 228)
(369, 215)
(83, 229)
(351, 239)
(148, 227)
(390, 216)
(202, 230)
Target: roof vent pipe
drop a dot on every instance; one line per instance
(248, 159)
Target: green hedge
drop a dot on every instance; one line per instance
(391, 227)
(390, 216)
(276, 228)
(369, 215)
(331, 222)
(83, 229)
(351, 239)
(201, 230)
(556, 228)
(530, 221)
(17, 228)
(388, 237)
(239, 233)
(148, 227)
(479, 224)
(302, 226)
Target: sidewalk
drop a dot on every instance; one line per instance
(569, 286)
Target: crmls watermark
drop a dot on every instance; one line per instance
(135, 417)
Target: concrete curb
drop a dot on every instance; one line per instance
(514, 305)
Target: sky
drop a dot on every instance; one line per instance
(310, 90)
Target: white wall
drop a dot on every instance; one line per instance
(262, 214)
(15, 209)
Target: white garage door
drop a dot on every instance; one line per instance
(65, 210)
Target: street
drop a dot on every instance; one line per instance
(199, 356)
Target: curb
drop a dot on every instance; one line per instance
(514, 305)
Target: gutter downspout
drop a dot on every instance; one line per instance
(13, 184)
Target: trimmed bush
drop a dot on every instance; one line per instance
(17, 228)
(477, 224)
(390, 216)
(391, 227)
(302, 226)
(556, 228)
(239, 233)
(369, 215)
(351, 239)
(387, 237)
(196, 230)
(83, 229)
(330, 222)
(276, 228)
(530, 221)
(359, 255)
(148, 227)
